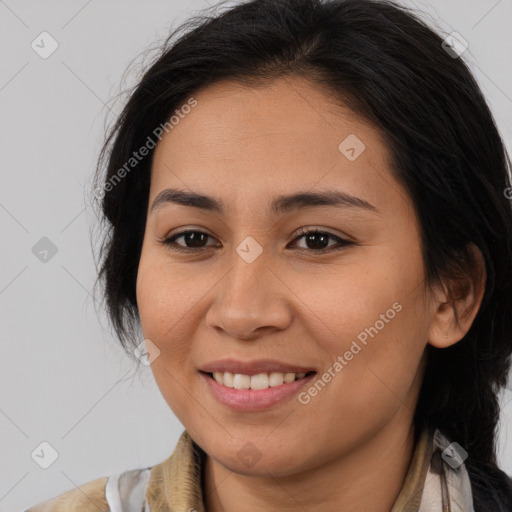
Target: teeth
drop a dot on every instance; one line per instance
(241, 381)
(260, 381)
(276, 379)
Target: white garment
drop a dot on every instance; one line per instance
(447, 489)
(126, 492)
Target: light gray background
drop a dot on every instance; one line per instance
(63, 378)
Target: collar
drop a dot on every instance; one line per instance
(175, 484)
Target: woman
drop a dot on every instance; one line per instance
(341, 342)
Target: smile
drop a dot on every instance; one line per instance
(236, 391)
(259, 381)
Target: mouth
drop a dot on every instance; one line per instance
(257, 392)
(258, 381)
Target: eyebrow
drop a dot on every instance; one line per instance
(280, 205)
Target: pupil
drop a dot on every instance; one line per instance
(312, 236)
(193, 237)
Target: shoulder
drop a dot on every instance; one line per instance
(106, 494)
(89, 497)
(178, 475)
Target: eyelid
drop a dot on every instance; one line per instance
(305, 230)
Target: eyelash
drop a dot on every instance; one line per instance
(170, 243)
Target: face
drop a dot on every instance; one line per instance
(248, 293)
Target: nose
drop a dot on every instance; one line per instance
(250, 301)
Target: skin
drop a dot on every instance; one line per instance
(348, 448)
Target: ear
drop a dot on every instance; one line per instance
(456, 303)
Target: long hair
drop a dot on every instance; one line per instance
(393, 70)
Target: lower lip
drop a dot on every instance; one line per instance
(254, 399)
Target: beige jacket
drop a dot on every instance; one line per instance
(436, 481)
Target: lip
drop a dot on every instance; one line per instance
(253, 399)
(254, 367)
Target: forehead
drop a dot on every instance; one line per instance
(289, 132)
(228, 113)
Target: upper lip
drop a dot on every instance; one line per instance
(253, 367)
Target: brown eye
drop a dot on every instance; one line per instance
(318, 241)
(193, 240)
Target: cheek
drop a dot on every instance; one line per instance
(378, 325)
(165, 304)
(164, 310)
(380, 356)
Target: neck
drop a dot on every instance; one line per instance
(370, 477)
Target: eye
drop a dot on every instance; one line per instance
(193, 237)
(313, 237)
(317, 238)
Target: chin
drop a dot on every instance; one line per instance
(248, 461)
